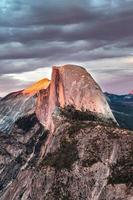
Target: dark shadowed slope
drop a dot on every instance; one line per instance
(84, 160)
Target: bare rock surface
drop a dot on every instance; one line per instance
(85, 160)
(63, 143)
(72, 85)
(12, 107)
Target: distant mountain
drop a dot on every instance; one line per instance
(122, 108)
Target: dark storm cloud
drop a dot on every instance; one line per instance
(46, 50)
(45, 12)
(10, 67)
(108, 28)
(22, 21)
(35, 34)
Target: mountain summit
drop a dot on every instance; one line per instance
(60, 141)
(72, 86)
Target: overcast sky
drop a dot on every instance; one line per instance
(97, 34)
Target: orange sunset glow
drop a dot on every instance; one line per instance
(42, 84)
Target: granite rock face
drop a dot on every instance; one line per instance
(84, 160)
(12, 107)
(69, 86)
(66, 145)
(72, 85)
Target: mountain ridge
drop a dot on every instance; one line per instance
(37, 86)
(60, 146)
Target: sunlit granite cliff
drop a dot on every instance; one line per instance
(36, 87)
(72, 86)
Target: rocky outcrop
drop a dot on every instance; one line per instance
(71, 85)
(64, 143)
(85, 160)
(19, 104)
(36, 87)
(14, 106)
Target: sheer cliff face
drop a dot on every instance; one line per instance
(72, 85)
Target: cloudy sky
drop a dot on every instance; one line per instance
(97, 34)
